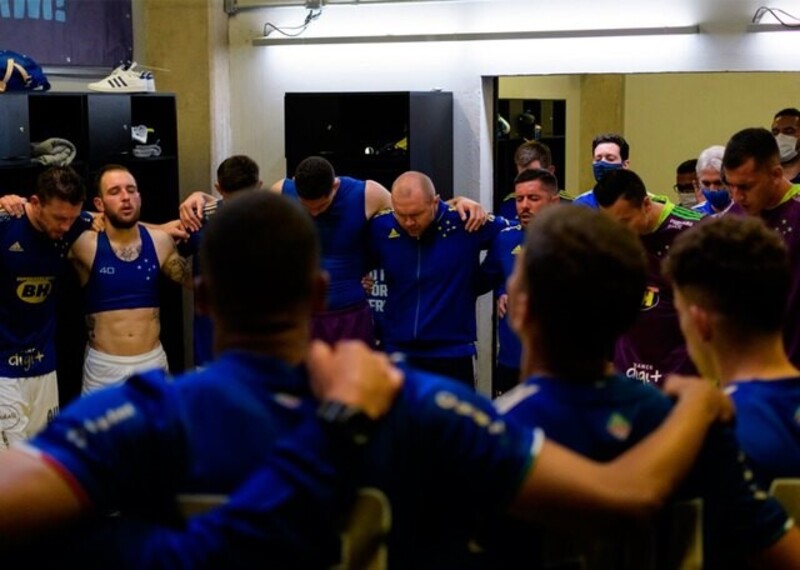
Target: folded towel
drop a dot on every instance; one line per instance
(53, 151)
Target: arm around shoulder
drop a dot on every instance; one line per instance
(635, 484)
(377, 198)
(176, 267)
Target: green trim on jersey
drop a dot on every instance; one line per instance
(793, 191)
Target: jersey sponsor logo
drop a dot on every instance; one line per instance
(102, 423)
(646, 373)
(618, 426)
(34, 290)
(16, 247)
(449, 401)
(26, 359)
(516, 250)
(393, 234)
(651, 298)
(52, 413)
(9, 417)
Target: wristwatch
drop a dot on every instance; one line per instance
(349, 422)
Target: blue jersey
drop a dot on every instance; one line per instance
(704, 208)
(30, 265)
(508, 208)
(432, 283)
(343, 235)
(605, 419)
(495, 270)
(768, 426)
(441, 455)
(116, 284)
(586, 199)
(202, 326)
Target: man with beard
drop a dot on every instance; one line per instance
(34, 241)
(119, 270)
(534, 190)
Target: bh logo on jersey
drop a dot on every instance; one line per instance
(34, 290)
(651, 298)
(645, 373)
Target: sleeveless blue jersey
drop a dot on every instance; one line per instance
(441, 455)
(495, 269)
(203, 328)
(603, 420)
(30, 265)
(118, 284)
(432, 282)
(343, 236)
(768, 426)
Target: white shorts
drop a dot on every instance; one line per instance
(101, 370)
(26, 405)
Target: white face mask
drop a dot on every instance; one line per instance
(787, 145)
(687, 199)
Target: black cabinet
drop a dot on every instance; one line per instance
(99, 125)
(375, 136)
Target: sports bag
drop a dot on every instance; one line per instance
(19, 72)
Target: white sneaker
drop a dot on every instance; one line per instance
(125, 79)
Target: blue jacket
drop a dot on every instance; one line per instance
(432, 283)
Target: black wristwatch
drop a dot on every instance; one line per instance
(349, 422)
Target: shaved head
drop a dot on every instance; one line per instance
(414, 202)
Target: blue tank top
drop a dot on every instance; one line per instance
(343, 233)
(116, 284)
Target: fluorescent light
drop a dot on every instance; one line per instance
(481, 36)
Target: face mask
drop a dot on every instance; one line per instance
(687, 199)
(787, 145)
(719, 199)
(601, 168)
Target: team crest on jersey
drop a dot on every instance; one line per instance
(34, 290)
(618, 426)
(393, 234)
(651, 298)
(446, 228)
(16, 247)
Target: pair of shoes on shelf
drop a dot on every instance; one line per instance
(126, 79)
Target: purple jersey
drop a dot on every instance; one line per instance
(768, 426)
(30, 264)
(654, 346)
(785, 219)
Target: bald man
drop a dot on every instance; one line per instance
(430, 263)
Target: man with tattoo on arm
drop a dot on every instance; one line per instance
(118, 269)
